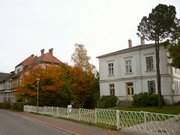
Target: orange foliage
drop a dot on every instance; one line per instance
(56, 78)
(31, 77)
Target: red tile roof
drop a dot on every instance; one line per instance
(43, 58)
(28, 61)
(48, 58)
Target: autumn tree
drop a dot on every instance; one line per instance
(59, 86)
(88, 78)
(49, 84)
(81, 59)
(64, 84)
(158, 27)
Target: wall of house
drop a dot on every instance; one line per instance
(140, 85)
(18, 69)
(139, 75)
(1, 86)
(6, 91)
(1, 97)
(138, 64)
(1, 91)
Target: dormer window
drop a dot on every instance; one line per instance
(18, 70)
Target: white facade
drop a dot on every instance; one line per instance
(18, 69)
(134, 71)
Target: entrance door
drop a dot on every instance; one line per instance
(130, 91)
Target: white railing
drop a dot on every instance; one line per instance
(140, 122)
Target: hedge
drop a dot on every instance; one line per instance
(18, 106)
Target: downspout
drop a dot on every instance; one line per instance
(140, 69)
(171, 78)
(172, 84)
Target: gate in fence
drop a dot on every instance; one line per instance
(129, 121)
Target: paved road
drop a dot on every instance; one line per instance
(13, 124)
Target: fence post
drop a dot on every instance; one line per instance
(79, 114)
(95, 115)
(57, 111)
(37, 109)
(117, 120)
(145, 120)
(67, 115)
(52, 110)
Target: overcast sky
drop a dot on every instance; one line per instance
(103, 26)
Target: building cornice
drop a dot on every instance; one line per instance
(134, 77)
(127, 50)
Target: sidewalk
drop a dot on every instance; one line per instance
(69, 126)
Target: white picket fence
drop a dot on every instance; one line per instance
(129, 121)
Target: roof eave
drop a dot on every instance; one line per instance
(139, 47)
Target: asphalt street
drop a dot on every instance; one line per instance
(13, 124)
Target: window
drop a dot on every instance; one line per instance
(149, 64)
(151, 87)
(176, 87)
(130, 89)
(18, 70)
(111, 69)
(128, 64)
(112, 90)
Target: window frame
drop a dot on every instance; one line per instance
(149, 63)
(128, 66)
(151, 84)
(112, 89)
(111, 69)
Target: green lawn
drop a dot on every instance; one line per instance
(164, 109)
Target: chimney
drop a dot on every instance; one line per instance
(142, 40)
(51, 51)
(130, 43)
(42, 51)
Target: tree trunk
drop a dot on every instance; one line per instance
(158, 74)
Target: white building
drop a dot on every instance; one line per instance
(133, 70)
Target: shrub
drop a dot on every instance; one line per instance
(18, 106)
(5, 105)
(13, 106)
(177, 103)
(145, 99)
(107, 101)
